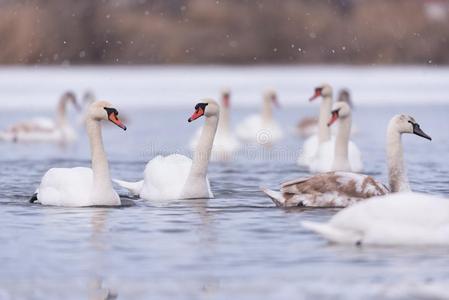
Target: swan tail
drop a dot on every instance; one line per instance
(332, 233)
(133, 187)
(33, 198)
(276, 197)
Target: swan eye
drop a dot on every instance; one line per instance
(201, 105)
(110, 111)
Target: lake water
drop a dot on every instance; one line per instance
(236, 246)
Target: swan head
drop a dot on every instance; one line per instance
(270, 97)
(70, 97)
(207, 108)
(407, 124)
(225, 97)
(340, 110)
(323, 90)
(104, 111)
(345, 96)
(88, 97)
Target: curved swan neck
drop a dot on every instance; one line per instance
(397, 175)
(341, 158)
(61, 112)
(203, 150)
(324, 133)
(102, 183)
(223, 125)
(267, 109)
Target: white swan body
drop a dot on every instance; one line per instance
(322, 159)
(338, 154)
(318, 150)
(346, 188)
(225, 143)
(261, 128)
(43, 129)
(395, 219)
(83, 186)
(177, 176)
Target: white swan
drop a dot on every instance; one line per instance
(84, 186)
(398, 219)
(334, 154)
(312, 152)
(225, 143)
(177, 176)
(261, 128)
(340, 189)
(45, 129)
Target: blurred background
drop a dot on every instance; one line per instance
(170, 52)
(224, 32)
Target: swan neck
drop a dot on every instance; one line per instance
(324, 132)
(102, 183)
(203, 150)
(223, 124)
(267, 110)
(61, 112)
(341, 157)
(397, 175)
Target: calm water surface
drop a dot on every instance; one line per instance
(236, 246)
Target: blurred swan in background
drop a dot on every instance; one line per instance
(308, 126)
(261, 128)
(177, 176)
(334, 155)
(84, 186)
(340, 189)
(225, 143)
(310, 151)
(42, 129)
(403, 219)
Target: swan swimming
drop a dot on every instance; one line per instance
(402, 219)
(43, 129)
(334, 154)
(313, 155)
(261, 128)
(341, 189)
(84, 186)
(177, 176)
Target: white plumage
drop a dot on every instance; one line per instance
(395, 219)
(254, 129)
(320, 159)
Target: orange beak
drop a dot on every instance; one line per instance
(114, 119)
(316, 95)
(334, 118)
(198, 113)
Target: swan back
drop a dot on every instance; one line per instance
(165, 177)
(395, 219)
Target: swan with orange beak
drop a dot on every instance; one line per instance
(84, 186)
(177, 176)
